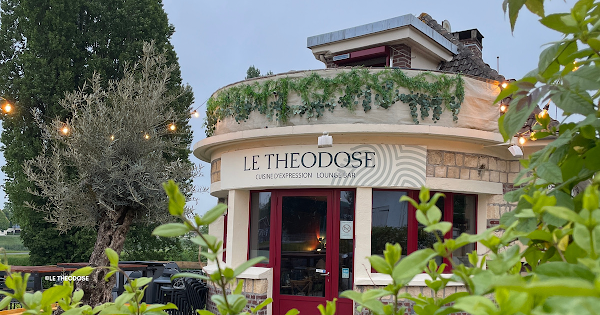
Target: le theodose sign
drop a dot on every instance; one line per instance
(309, 160)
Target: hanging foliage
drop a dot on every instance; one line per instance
(359, 86)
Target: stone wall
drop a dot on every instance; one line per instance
(447, 164)
(458, 165)
(255, 290)
(215, 170)
(413, 291)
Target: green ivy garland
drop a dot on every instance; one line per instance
(317, 94)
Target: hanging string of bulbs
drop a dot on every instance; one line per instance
(7, 108)
(196, 112)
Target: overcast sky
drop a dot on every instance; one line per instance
(216, 41)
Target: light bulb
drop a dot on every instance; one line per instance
(502, 108)
(112, 137)
(146, 136)
(196, 114)
(172, 127)
(65, 130)
(543, 114)
(522, 140)
(7, 108)
(504, 84)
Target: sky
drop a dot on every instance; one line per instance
(216, 41)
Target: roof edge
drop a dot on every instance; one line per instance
(381, 26)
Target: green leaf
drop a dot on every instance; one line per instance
(213, 214)
(476, 305)
(379, 264)
(549, 172)
(190, 275)
(124, 298)
(171, 230)
(561, 270)
(584, 78)
(558, 287)
(506, 92)
(434, 214)
(176, 198)
(574, 103)
(581, 236)
(594, 43)
(572, 305)
(113, 257)
(263, 304)
(505, 260)
(443, 227)
(54, 294)
(412, 265)
(210, 242)
(564, 213)
(514, 6)
(536, 7)
(293, 311)
(85, 271)
(161, 307)
(140, 282)
(558, 22)
(5, 301)
(247, 264)
(515, 118)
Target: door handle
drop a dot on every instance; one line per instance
(325, 274)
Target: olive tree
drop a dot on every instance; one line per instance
(104, 166)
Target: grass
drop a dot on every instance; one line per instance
(18, 260)
(12, 243)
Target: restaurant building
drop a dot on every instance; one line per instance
(312, 164)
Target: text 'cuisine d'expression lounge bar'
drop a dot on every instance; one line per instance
(313, 173)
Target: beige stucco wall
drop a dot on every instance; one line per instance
(477, 111)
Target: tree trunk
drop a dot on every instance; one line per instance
(111, 234)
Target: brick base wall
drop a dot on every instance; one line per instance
(414, 291)
(255, 292)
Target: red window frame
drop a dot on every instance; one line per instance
(413, 225)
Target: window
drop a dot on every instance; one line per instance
(260, 225)
(395, 222)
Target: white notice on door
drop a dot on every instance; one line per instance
(346, 230)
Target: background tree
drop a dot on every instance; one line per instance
(4, 222)
(252, 72)
(47, 49)
(104, 166)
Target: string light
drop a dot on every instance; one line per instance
(146, 136)
(65, 130)
(112, 137)
(543, 113)
(195, 113)
(504, 84)
(575, 67)
(522, 140)
(7, 108)
(172, 127)
(503, 108)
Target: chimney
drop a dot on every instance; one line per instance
(472, 39)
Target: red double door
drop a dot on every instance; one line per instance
(314, 246)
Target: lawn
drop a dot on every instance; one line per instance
(18, 260)
(12, 243)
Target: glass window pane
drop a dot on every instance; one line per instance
(463, 222)
(426, 239)
(303, 245)
(389, 220)
(346, 271)
(260, 225)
